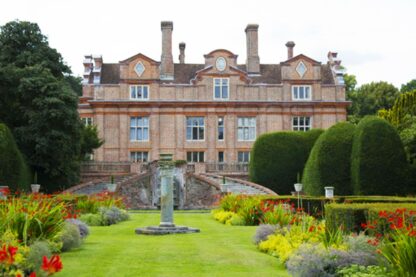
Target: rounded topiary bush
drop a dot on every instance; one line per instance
(278, 158)
(70, 237)
(13, 169)
(330, 160)
(378, 160)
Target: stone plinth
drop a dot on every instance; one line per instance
(160, 230)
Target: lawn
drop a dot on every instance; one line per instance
(219, 250)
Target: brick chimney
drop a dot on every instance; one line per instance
(290, 45)
(166, 66)
(253, 60)
(182, 46)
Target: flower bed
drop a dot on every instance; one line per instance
(35, 227)
(366, 239)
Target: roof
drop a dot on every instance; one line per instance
(184, 73)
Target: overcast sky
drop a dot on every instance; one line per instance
(375, 39)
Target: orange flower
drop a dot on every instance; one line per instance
(53, 265)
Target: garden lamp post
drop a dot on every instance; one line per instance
(298, 189)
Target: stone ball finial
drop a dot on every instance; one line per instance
(290, 44)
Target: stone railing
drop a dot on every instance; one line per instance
(93, 166)
(226, 167)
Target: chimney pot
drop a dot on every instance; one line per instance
(290, 45)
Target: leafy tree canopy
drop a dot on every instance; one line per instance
(408, 86)
(39, 104)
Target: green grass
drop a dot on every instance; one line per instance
(219, 250)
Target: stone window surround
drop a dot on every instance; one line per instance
(192, 126)
(221, 86)
(299, 127)
(135, 154)
(304, 98)
(243, 127)
(142, 128)
(142, 94)
(195, 156)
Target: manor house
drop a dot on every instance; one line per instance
(207, 112)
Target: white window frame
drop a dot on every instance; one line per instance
(135, 154)
(244, 153)
(221, 85)
(243, 128)
(138, 127)
(136, 87)
(304, 126)
(87, 121)
(219, 127)
(192, 126)
(198, 159)
(297, 97)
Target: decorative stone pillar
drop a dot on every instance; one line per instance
(166, 190)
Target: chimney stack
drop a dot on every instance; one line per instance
(182, 46)
(166, 67)
(253, 60)
(290, 45)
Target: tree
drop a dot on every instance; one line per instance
(378, 160)
(330, 160)
(409, 86)
(89, 140)
(39, 105)
(277, 159)
(369, 98)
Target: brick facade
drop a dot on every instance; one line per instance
(179, 90)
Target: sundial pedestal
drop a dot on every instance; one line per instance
(166, 225)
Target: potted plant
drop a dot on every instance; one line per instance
(35, 186)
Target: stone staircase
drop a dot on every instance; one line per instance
(238, 186)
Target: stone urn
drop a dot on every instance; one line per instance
(35, 188)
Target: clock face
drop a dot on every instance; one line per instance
(220, 64)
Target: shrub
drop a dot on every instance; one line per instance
(277, 158)
(263, 231)
(112, 215)
(236, 220)
(14, 171)
(329, 161)
(38, 249)
(352, 216)
(365, 271)
(83, 229)
(92, 219)
(70, 237)
(378, 160)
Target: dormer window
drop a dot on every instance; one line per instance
(301, 93)
(139, 92)
(221, 87)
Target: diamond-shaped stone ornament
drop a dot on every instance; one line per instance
(301, 69)
(139, 68)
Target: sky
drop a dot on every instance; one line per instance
(375, 39)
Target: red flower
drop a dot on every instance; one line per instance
(382, 214)
(7, 254)
(53, 265)
(312, 228)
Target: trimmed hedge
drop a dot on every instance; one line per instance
(378, 160)
(351, 216)
(14, 172)
(278, 158)
(329, 161)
